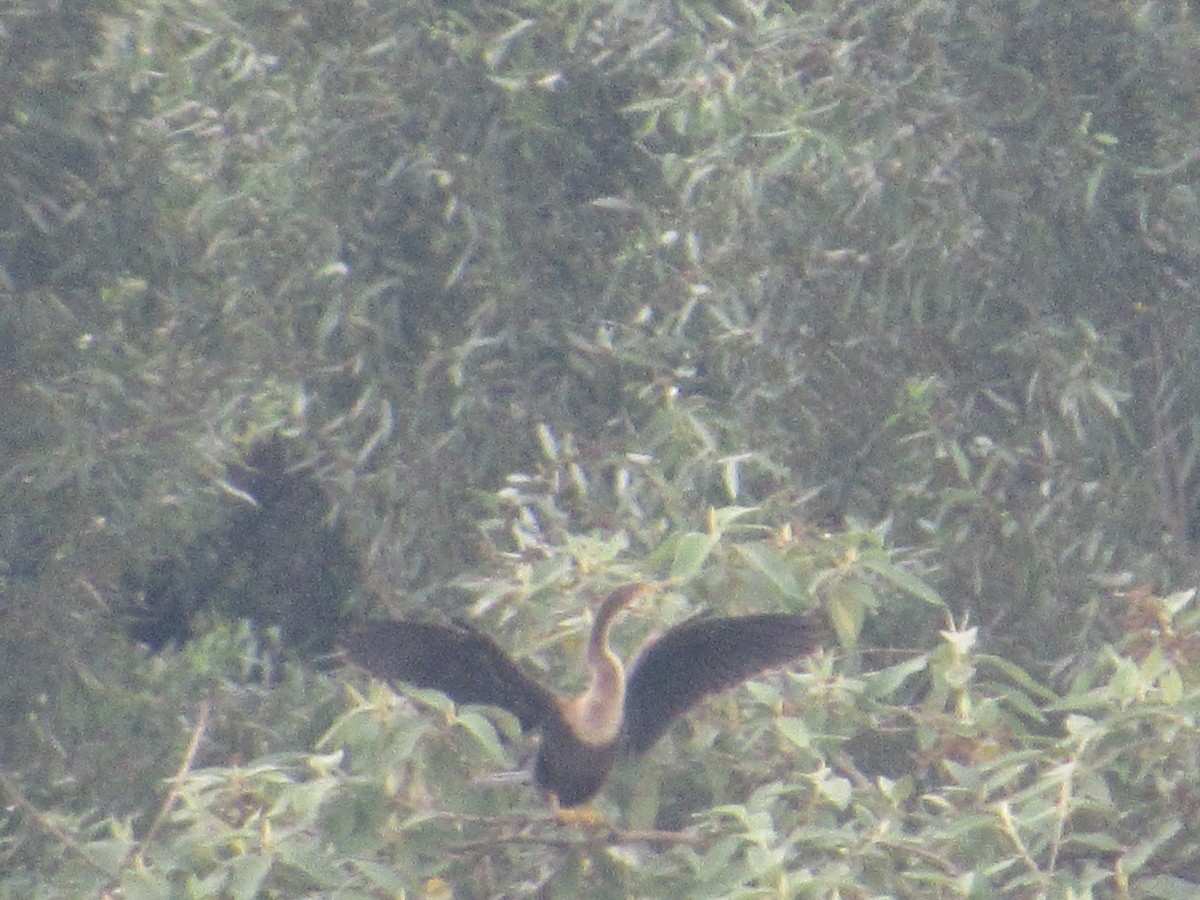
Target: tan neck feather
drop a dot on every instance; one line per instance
(595, 715)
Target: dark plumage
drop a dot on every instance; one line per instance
(569, 768)
(463, 663)
(701, 657)
(582, 736)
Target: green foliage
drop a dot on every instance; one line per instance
(879, 301)
(992, 785)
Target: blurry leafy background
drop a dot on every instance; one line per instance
(320, 308)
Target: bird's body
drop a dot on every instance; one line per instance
(582, 736)
(570, 768)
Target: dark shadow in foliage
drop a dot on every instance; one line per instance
(278, 562)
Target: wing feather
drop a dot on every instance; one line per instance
(702, 657)
(464, 664)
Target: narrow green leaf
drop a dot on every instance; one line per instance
(143, 884)
(1175, 602)
(692, 548)
(383, 877)
(906, 581)
(724, 516)
(836, 789)
(1019, 675)
(885, 682)
(484, 733)
(765, 558)
(848, 602)
(795, 730)
(1143, 852)
(1105, 843)
(1168, 887)
(246, 875)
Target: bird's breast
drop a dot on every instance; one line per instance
(594, 716)
(572, 769)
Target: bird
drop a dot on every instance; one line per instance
(582, 736)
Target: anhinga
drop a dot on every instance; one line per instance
(581, 736)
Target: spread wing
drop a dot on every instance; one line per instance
(702, 657)
(464, 664)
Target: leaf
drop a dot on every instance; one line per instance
(484, 733)
(246, 875)
(322, 868)
(144, 884)
(499, 46)
(768, 560)
(720, 858)
(724, 516)
(906, 581)
(795, 730)
(384, 877)
(1175, 602)
(836, 789)
(1168, 887)
(1170, 686)
(692, 548)
(886, 682)
(1141, 853)
(404, 741)
(849, 600)
(1109, 398)
(1019, 675)
(1103, 843)
(1093, 188)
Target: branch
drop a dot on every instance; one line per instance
(612, 837)
(136, 854)
(185, 767)
(49, 827)
(598, 833)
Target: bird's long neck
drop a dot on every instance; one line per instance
(596, 713)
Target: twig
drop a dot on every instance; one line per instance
(470, 819)
(846, 765)
(604, 834)
(654, 836)
(164, 810)
(611, 838)
(136, 854)
(48, 826)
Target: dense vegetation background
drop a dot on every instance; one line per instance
(319, 309)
